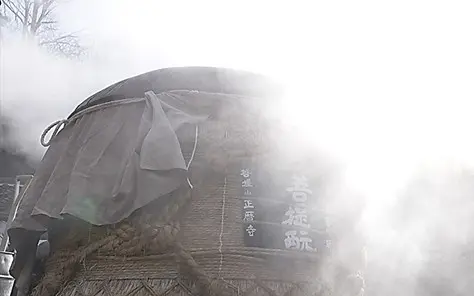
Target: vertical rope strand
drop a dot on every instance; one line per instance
(221, 234)
(192, 155)
(221, 242)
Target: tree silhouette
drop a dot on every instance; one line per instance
(36, 21)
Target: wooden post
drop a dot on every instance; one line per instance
(16, 202)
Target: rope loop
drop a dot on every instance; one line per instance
(57, 126)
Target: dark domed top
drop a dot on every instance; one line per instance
(205, 79)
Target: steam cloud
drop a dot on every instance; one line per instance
(385, 89)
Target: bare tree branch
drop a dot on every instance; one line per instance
(45, 11)
(35, 18)
(13, 9)
(58, 39)
(26, 13)
(47, 23)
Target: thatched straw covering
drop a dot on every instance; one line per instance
(190, 241)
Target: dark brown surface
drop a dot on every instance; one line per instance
(7, 192)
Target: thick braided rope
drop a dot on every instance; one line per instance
(159, 233)
(162, 235)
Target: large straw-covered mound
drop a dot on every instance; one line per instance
(190, 241)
